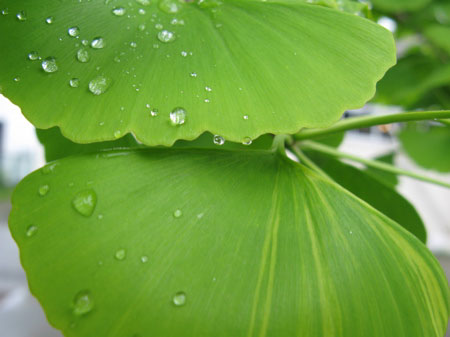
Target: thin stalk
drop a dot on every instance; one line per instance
(308, 162)
(332, 152)
(368, 121)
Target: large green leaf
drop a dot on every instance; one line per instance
(399, 5)
(239, 69)
(187, 243)
(379, 195)
(428, 147)
(439, 35)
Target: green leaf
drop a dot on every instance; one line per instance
(395, 6)
(387, 178)
(219, 243)
(57, 146)
(379, 195)
(264, 67)
(427, 146)
(439, 35)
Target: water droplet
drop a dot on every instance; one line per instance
(169, 6)
(99, 85)
(73, 31)
(219, 140)
(98, 43)
(208, 89)
(159, 26)
(49, 65)
(246, 117)
(179, 299)
(166, 36)
(31, 230)
(100, 216)
(85, 42)
(21, 16)
(178, 213)
(16, 79)
(49, 168)
(209, 3)
(74, 82)
(144, 259)
(49, 20)
(43, 190)
(83, 303)
(84, 202)
(121, 254)
(119, 11)
(83, 55)
(133, 44)
(5, 11)
(176, 21)
(141, 11)
(141, 27)
(247, 141)
(207, 100)
(33, 56)
(193, 74)
(178, 116)
(143, 2)
(184, 53)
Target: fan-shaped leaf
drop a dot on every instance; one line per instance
(238, 69)
(217, 243)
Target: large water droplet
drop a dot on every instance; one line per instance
(119, 11)
(99, 85)
(166, 36)
(31, 230)
(98, 43)
(83, 303)
(33, 56)
(178, 116)
(179, 299)
(49, 65)
(121, 254)
(219, 140)
(43, 190)
(84, 202)
(74, 82)
(73, 31)
(83, 55)
(169, 6)
(21, 16)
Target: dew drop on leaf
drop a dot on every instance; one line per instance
(178, 213)
(31, 231)
(99, 85)
(179, 299)
(178, 116)
(33, 56)
(143, 2)
(208, 89)
(49, 65)
(5, 11)
(73, 31)
(218, 140)
(74, 82)
(98, 43)
(16, 79)
(166, 36)
(49, 20)
(83, 55)
(169, 6)
(144, 259)
(21, 16)
(83, 303)
(117, 134)
(247, 141)
(246, 117)
(120, 255)
(84, 202)
(119, 11)
(43, 190)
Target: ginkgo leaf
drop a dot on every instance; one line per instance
(218, 243)
(173, 70)
(400, 5)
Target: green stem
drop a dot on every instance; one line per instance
(310, 145)
(306, 161)
(368, 121)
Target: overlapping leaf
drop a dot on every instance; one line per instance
(400, 5)
(238, 69)
(217, 243)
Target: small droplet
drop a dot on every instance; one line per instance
(144, 259)
(178, 213)
(246, 117)
(16, 79)
(33, 56)
(98, 43)
(84, 202)
(208, 89)
(5, 11)
(49, 65)
(159, 26)
(21, 16)
(100, 216)
(133, 44)
(169, 6)
(73, 31)
(85, 42)
(74, 82)
(193, 74)
(166, 36)
(83, 303)
(178, 116)
(179, 299)
(99, 85)
(119, 11)
(43, 190)
(247, 141)
(49, 20)
(184, 53)
(141, 27)
(83, 55)
(31, 230)
(121, 254)
(143, 2)
(219, 140)
(117, 134)
(141, 11)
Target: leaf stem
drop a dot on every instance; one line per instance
(306, 161)
(368, 121)
(310, 145)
